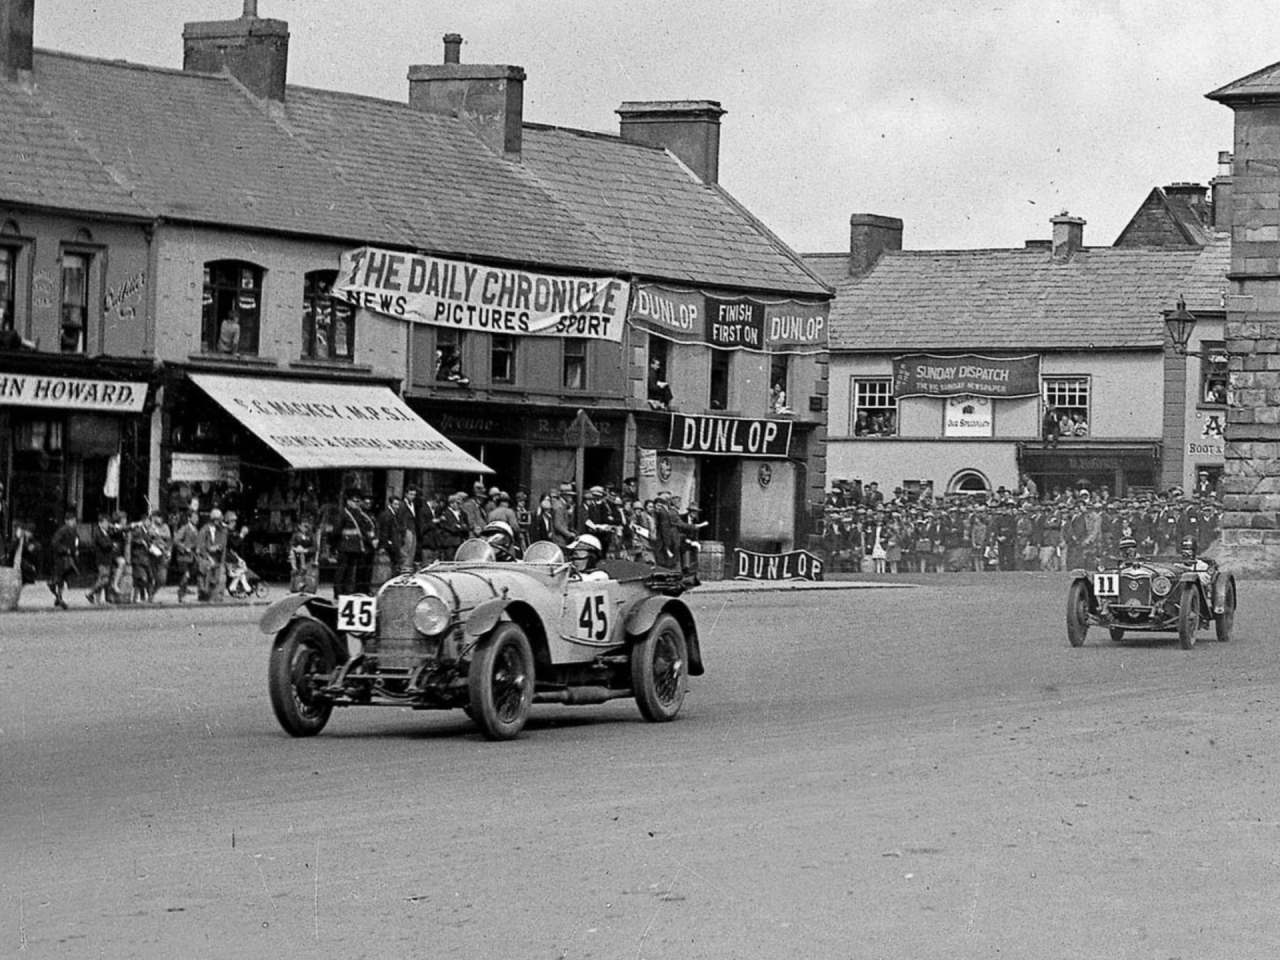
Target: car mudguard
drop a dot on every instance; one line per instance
(644, 614)
(1220, 584)
(485, 617)
(278, 615)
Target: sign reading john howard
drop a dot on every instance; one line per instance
(928, 375)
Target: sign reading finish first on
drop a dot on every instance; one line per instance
(470, 296)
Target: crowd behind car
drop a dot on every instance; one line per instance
(864, 531)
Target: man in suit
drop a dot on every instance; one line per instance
(453, 526)
(564, 520)
(408, 520)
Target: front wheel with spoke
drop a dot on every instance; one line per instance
(660, 670)
(300, 660)
(500, 682)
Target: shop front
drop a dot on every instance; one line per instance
(1121, 468)
(280, 450)
(73, 435)
(535, 451)
(746, 476)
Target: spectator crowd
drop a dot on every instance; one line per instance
(1008, 530)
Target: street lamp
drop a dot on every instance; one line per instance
(1180, 323)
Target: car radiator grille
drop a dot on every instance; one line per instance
(397, 643)
(1135, 591)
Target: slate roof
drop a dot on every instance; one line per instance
(1104, 298)
(1262, 84)
(1174, 213)
(831, 268)
(122, 139)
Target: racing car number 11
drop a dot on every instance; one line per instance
(1106, 584)
(356, 613)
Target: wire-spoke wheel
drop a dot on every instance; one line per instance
(660, 670)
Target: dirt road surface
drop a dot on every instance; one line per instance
(922, 772)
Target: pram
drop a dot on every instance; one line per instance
(242, 582)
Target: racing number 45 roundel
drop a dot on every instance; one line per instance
(593, 617)
(356, 613)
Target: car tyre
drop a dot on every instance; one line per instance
(1188, 616)
(500, 682)
(300, 655)
(1224, 622)
(660, 670)
(1077, 613)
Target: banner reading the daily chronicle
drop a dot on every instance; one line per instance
(471, 296)
(926, 375)
(739, 323)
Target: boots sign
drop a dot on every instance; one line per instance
(729, 436)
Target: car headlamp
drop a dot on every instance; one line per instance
(1161, 586)
(431, 616)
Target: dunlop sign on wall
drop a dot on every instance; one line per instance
(472, 296)
(741, 323)
(730, 436)
(927, 375)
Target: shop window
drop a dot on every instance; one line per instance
(449, 356)
(75, 301)
(721, 365)
(44, 436)
(1213, 373)
(575, 364)
(232, 313)
(328, 324)
(1068, 398)
(875, 408)
(502, 358)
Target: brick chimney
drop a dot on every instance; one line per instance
(1194, 195)
(17, 18)
(1220, 191)
(688, 128)
(870, 235)
(489, 96)
(253, 50)
(1068, 236)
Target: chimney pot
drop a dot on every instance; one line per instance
(688, 128)
(1068, 236)
(253, 50)
(17, 19)
(453, 48)
(870, 235)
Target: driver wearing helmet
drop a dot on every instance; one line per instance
(1201, 568)
(502, 538)
(584, 554)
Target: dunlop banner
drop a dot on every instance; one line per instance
(927, 375)
(740, 323)
(471, 296)
(729, 436)
(796, 565)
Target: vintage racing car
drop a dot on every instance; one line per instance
(1133, 593)
(489, 634)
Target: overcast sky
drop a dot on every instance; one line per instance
(973, 121)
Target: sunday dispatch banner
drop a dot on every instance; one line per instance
(471, 296)
(927, 375)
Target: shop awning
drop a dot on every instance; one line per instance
(316, 426)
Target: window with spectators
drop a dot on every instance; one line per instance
(328, 325)
(1213, 373)
(502, 358)
(721, 373)
(232, 308)
(75, 301)
(449, 344)
(875, 408)
(575, 364)
(1068, 398)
